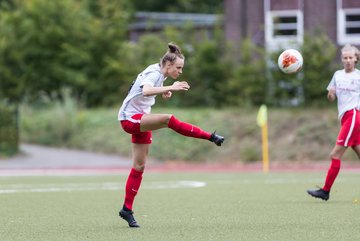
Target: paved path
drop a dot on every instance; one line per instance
(34, 156)
(42, 160)
(46, 160)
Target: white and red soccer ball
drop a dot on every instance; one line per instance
(290, 61)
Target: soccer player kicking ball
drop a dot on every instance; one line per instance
(345, 85)
(136, 119)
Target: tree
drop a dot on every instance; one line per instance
(46, 45)
(319, 65)
(249, 83)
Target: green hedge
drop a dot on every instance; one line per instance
(9, 131)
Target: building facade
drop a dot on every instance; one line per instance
(156, 22)
(278, 24)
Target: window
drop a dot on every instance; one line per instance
(348, 26)
(284, 26)
(284, 29)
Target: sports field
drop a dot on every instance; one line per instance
(180, 206)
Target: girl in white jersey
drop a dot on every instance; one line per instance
(345, 86)
(136, 119)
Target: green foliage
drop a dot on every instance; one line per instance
(303, 134)
(319, 54)
(205, 67)
(248, 86)
(206, 75)
(82, 44)
(307, 87)
(151, 48)
(9, 131)
(46, 45)
(105, 45)
(217, 80)
(284, 89)
(54, 123)
(64, 124)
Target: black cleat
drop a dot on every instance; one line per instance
(320, 193)
(128, 216)
(218, 140)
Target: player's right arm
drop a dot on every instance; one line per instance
(149, 90)
(331, 88)
(331, 95)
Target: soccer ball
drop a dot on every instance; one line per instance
(290, 61)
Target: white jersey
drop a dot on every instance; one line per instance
(347, 86)
(135, 102)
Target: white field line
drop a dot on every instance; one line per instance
(76, 187)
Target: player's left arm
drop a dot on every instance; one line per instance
(167, 95)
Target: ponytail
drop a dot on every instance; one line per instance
(171, 55)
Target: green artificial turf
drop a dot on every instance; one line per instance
(231, 206)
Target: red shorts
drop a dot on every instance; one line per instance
(133, 128)
(349, 134)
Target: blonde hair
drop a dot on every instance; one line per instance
(348, 48)
(171, 55)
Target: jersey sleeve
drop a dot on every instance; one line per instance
(332, 84)
(150, 79)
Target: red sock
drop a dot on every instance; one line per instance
(332, 173)
(187, 129)
(132, 186)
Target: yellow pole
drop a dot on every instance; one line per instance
(262, 122)
(265, 148)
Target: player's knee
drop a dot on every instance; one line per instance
(139, 166)
(168, 117)
(334, 155)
